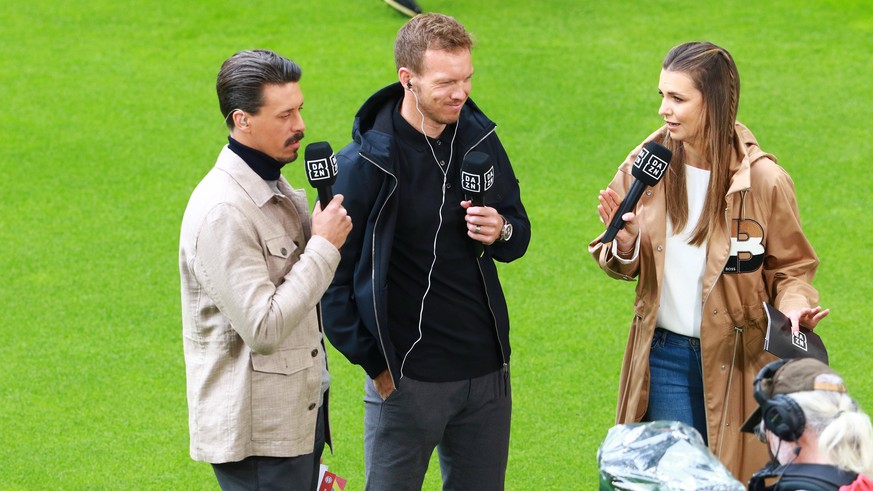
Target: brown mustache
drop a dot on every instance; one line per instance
(294, 139)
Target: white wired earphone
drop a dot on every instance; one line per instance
(445, 172)
(242, 122)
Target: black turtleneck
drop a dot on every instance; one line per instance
(265, 166)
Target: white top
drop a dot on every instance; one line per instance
(684, 265)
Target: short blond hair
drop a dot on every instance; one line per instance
(428, 31)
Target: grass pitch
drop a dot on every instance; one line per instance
(112, 119)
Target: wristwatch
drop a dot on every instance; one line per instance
(506, 232)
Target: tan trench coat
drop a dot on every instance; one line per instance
(771, 261)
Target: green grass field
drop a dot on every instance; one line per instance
(113, 120)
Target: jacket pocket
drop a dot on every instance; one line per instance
(754, 332)
(281, 255)
(284, 362)
(282, 392)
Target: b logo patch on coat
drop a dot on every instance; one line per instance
(747, 247)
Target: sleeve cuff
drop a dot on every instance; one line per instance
(633, 256)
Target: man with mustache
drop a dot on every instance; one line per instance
(253, 269)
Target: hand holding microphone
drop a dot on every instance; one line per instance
(477, 177)
(648, 169)
(329, 220)
(625, 238)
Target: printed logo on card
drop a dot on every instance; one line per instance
(798, 339)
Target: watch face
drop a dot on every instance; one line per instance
(507, 232)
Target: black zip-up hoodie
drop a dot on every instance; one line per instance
(355, 304)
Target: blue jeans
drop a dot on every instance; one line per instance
(676, 381)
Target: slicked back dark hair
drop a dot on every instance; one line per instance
(241, 80)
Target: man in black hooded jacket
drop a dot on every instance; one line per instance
(416, 300)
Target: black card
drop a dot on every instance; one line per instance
(782, 343)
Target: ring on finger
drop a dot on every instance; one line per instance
(478, 229)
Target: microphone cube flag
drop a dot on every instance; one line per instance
(651, 163)
(477, 183)
(648, 169)
(477, 176)
(323, 169)
(320, 164)
(641, 157)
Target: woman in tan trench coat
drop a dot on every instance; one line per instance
(717, 237)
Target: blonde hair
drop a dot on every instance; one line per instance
(845, 433)
(428, 31)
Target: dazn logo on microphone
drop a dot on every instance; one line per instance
(650, 164)
(473, 182)
(321, 169)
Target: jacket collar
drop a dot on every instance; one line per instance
(747, 153)
(257, 188)
(373, 126)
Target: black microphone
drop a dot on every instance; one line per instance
(477, 176)
(649, 167)
(321, 170)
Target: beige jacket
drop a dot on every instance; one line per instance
(759, 253)
(252, 278)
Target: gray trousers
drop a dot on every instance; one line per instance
(258, 473)
(466, 421)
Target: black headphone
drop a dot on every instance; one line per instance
(781, 414)
(409, 84)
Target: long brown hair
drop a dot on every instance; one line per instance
(714, 73)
